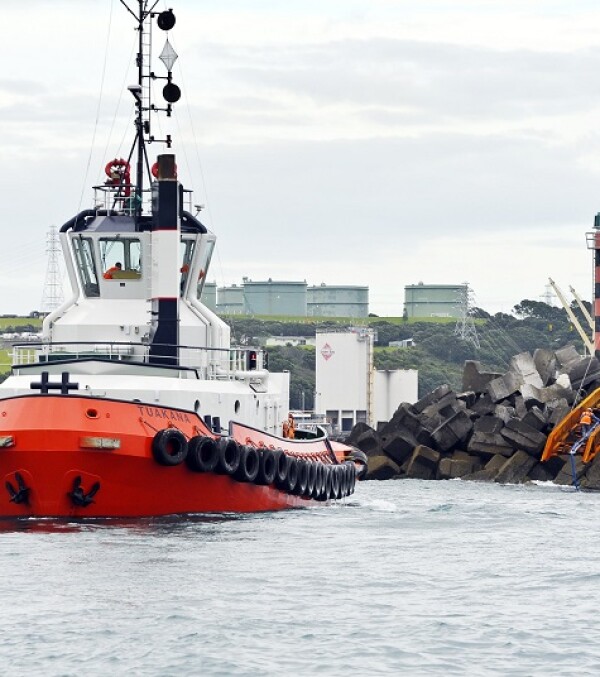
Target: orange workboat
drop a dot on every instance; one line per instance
(135, 403)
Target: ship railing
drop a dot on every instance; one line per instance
(236, 363)
(121, 198)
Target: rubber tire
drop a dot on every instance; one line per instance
(166, 440)
(351, 471)
(292, 476)
(282, 462)
(319, 474)
(335, 483)
(229, 456)
(300, 488)
(249, 465)
(203, 454)
(326, 484)
(267, 468)
(312, 477)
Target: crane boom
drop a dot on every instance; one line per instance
(584, 337)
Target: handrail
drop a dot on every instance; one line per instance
(233, 363)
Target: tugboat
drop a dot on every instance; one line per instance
(135, 403)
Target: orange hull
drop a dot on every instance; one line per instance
(50, 445)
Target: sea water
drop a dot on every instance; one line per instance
(404, 577)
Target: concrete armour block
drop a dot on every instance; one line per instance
(504, 386)
(504, 412)
(484, 405)
(591, 481)
(535, 419)
(486, 445)
(381, 468)
(452, 432)
(423, 463)
(431, 397)
(565, 476)
(398, 445)
(475, 378)
(545, 363)
(488, 425)
(521, 436)
(524, 365)
(516, 468)
(566, 354)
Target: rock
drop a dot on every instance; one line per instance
(545, 363)
(483, 406)
(582, 371)
(591, 481)
(449, 468)
(535, 419)
(520, 407)
(486, 445)
(468, 398)
(524, 365)
(555, 464)
(398, 445)
(432, 397)
(556, 410)
(521, 436)
(504, 413)
(488, 425)
(423, 463)
(495, 463)
(481, 476)
(475, 378)
(367, 441)
(565, 476)
(404, 418)
(516, 468)
(540, 473)
(453, 431)
(566, 354)
(504, 386)
(381, 468)
(356, 432)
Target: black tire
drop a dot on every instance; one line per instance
(351, 472)
(282, 462)
(267, 467)
(312, 477)
(169, 447)
(302, 482)
(335, 482)
(249, 465)
(319, 476)
(229, 456)
(326, 484)
(203, 454)
(292, 476)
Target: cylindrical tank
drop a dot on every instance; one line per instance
(275, 298)
(338, 301)
(230, 300)
(434, 300)
(209, 295)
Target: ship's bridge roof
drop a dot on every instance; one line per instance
(105, 221)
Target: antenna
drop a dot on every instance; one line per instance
(141, 91)
(53, 295)
(465, 325)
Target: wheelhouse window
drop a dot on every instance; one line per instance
(206, 256)
(186, 256)
(84, 257)
(120, 258)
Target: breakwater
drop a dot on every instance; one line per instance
(494, 430)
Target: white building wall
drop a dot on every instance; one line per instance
(344, 374)
(392, 388)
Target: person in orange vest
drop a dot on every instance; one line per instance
(108, 275)
(585, 422)
(291, 427)
(285, 429)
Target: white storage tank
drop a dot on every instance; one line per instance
(338, 301)
(274, 297)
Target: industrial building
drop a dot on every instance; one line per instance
(209, 295)
(434, 300)
(230, 300)
(337, 301)
(274, 298)
(348, 387)
(294, 299)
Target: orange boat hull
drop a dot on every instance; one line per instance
(48, 448)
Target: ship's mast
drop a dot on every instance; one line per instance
(144, 107)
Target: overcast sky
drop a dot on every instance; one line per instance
(372, 142)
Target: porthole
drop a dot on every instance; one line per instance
(92, 413)
(236, 407)
(197, 406)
